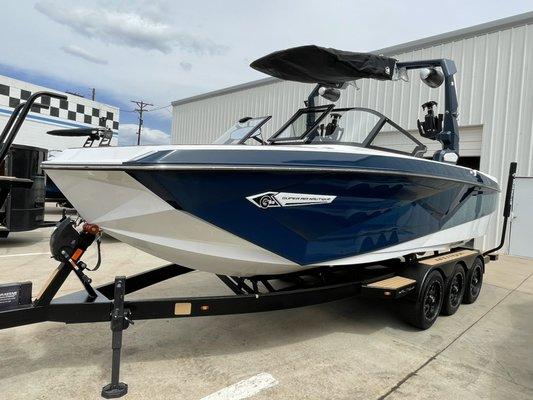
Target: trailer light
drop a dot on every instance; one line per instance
(77, 254)
(182, 309)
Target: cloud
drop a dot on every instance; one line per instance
(76, 51)
(186, 66)
(127, 28)
(156, 10)
(127, 135)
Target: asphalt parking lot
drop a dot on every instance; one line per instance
(351, 349)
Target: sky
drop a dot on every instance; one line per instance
(160, 51)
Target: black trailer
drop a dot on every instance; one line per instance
(22, 206)
(22, 181)
(24, 188)
(427, 286)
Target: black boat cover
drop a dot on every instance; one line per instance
(314, 64)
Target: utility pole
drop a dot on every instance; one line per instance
(141, 107)
(93, 90)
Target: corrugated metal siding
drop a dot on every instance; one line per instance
(205, 120)
(495, 91)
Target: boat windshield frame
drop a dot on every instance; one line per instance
(301, 139)
(307, 138)
(250, 135)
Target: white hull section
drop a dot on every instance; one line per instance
(128, 211)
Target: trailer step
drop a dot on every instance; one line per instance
(390, 288)
(447, 257)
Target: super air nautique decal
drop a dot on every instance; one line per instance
(282, 199)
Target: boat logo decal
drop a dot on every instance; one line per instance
(282, 199)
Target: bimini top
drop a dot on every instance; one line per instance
(314, 64)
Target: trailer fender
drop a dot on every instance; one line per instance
(444, 263)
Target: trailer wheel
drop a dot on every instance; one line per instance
(454, 291)
(474, 281)
(425, 311)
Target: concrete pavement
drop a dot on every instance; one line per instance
(351, 349)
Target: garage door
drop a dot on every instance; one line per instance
(520, 232)
(469, 145)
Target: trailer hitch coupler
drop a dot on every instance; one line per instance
(92, 229)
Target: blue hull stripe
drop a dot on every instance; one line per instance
(311, 159)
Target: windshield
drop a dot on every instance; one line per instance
(354, 126)
(246, 128)
(346, 126)
(366, 128)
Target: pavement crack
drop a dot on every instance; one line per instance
(438, 353)
(506, 371)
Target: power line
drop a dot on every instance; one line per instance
(159, 108)
(141, 107)
(153, 109)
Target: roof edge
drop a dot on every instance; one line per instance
(227, 90)
(480, 29)
(463, 33)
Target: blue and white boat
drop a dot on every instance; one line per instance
(322, 191)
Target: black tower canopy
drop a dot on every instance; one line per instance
(314, 64)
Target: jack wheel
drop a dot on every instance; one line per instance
(474, 281)
(425, 311)
(455, 291)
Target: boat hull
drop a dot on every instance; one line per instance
(248, 221)
(366, 212)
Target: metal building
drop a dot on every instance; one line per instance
(495, 92)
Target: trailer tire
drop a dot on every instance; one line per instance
(455, 290)
(424, 312)
(474, 281)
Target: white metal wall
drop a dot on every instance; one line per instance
(34, 128)
(519, 235)
(495, 91)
